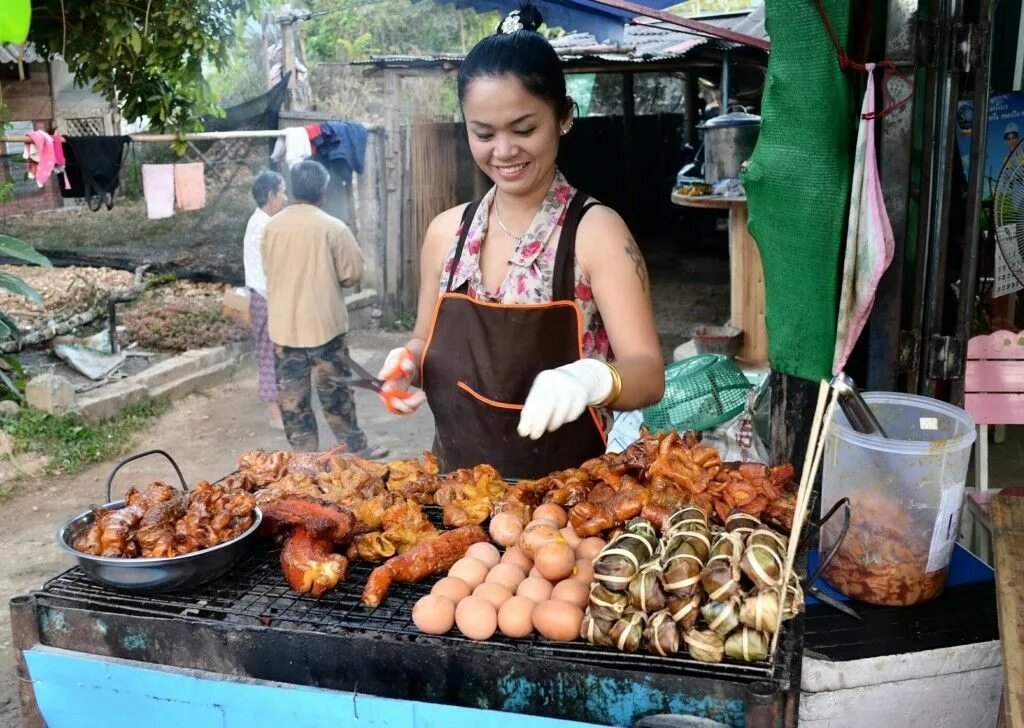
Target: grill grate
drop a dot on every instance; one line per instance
(255, 594)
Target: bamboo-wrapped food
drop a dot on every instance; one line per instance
(721, 575)
(684, 611)
(748, 645)
(606, 604)
(621, 559)
(687, 518)
(681, 565)
(704, 645)
(793, 603)
(762, 564)
(597, 631)
(761, 611)
(662, 634)
(742, 523)
(645, 592)
(769, 538)
(722, 617)
(628, 631)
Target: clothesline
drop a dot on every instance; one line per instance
(202, 136)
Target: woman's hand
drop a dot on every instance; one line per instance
(399, 370)
(561, 395)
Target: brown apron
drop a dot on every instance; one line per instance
(481, 359)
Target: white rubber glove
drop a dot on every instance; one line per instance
(561, 395)
(400, 368)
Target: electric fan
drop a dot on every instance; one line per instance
(1008, 204)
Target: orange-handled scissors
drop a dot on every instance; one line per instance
(385, 388)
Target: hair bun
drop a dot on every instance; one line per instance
(527, 17)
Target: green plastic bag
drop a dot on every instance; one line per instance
(15, 16)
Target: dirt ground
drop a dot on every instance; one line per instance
(205, 433)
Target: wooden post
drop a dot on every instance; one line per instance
(392, 177)
(288, 61)
(747, 297)
(1007, 545)
(372, 213)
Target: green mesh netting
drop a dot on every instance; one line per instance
(798, 184)
(700, 392)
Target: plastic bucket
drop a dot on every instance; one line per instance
(905, 492)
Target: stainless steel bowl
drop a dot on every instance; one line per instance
(154, 575)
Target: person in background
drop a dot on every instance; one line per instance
(308, 257)
(269, 192)
(534, 304)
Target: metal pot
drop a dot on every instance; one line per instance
(154, 575)
(729, 141)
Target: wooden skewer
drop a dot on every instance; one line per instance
(812, 459)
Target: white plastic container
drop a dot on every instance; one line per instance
(906, 492)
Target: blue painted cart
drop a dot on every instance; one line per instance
(245, 650)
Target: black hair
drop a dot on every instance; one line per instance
(266, 184)
(309, 181)
(517, 49)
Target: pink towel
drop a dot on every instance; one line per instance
(869, 239)
(190, 186)
(39, 152)
(158, 189)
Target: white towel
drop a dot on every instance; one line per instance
(294, 146)
(158, 189)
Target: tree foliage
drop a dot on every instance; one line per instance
(147, 56)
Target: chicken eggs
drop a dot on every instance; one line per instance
(556, 620)
(551, 512)
(496, 594)
(515, 618)
(570, 536)
(537, 535)
(505, 529)
(476, 618)
(452, 588)
(590, 547)
(535, 588)
(555, 561)
(470, 570)
(583, 571)
(508, 575)
(517, 556)
(572, 591)
(485, 553)
(433, 614)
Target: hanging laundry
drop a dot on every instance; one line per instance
(342, 143)
(158, 190)
(293, 147)
(39, 156)
(190, 186)
(94, 168)
(869, 237)
(59, 160)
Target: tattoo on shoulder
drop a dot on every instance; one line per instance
(639, 266)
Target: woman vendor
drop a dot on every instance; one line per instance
(534, 316)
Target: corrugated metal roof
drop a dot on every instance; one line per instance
(10, 53)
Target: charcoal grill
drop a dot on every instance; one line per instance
(251, 621)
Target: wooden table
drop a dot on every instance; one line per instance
(746, 275)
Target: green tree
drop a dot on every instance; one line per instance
(10, 388)
(147, 56)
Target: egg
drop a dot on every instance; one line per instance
(453, 588)
(517, 556)
(552, 512)
(515, 618)
(508, 575)
(505, 529)
(484, 552)
(536, 535)
(583, 571)
(496, 594)
(570, 536)
(534, 572)
(590, 547)
(433, 614)
(470, 570)
(572, 591)
(476, 618)
(556, 620)
(535, 588)
(555, 561)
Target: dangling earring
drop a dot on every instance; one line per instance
(566, 130)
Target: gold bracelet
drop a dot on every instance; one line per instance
(613, 396)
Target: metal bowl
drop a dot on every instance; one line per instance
(155, 575)
(148, 574)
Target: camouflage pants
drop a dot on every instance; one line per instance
(324, 364)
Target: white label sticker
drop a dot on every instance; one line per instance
(929, 423)
(947, 525)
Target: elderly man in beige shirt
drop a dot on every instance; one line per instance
(308, 257)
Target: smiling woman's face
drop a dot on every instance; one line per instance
(513, 134)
